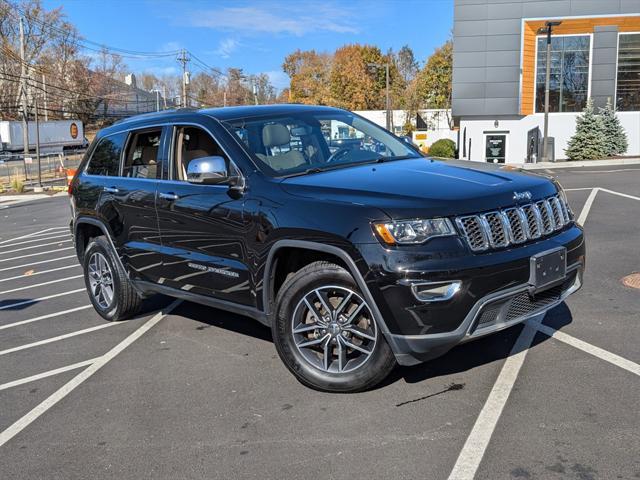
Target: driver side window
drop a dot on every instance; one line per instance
(191, 143)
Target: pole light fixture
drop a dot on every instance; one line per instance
(387, 101)
(547, 30)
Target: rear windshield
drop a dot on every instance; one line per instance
(311, 141)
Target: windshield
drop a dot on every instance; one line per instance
(308, 141)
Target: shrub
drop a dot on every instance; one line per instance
(17, 185)
(443, 148)
(588, 143)
(615, 138)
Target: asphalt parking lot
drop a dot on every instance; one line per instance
(186, 391)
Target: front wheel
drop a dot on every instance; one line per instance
(325, 331)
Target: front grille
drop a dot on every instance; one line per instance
(520, 305)
(514, 225)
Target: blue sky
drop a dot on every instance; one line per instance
(256, 35)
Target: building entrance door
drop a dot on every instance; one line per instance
(496, 148)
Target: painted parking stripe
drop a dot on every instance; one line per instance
(473, 450)
(48, 373)
(578, 189)
(478, 440)
(19, 277)
(58, 338)
(35, 240)
(620, 194)
(587, 206)
(71, 385)
(41, 284)
(591, 349)
(31, 247)
(36, 254)
(45, 317)
(39, 233)
(38, 263)
(40, 299)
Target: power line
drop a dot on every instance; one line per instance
(81, 41)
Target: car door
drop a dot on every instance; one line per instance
(129, 203)
(202, 227)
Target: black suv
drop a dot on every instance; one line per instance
(357, 251)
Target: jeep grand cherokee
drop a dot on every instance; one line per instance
(357, 251)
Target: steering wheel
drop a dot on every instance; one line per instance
(337, 154)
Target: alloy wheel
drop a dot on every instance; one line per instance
(334, 330)
(100, 280)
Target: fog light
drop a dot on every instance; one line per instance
(433, 291)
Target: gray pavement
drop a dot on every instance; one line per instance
(202, 394)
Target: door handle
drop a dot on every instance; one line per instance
(110, 190)
(168, 196)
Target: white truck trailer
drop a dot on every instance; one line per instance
(55, 136)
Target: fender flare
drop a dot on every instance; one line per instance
(105, 230)
(330, 249)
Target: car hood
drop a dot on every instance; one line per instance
(421, 187)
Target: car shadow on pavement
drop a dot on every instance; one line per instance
(462, 358)
(208, 317)
(479, 352)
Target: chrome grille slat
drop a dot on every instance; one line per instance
(558, 217)
(515, 225)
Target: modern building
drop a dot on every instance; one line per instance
(499, 72)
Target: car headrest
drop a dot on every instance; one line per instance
(149, 155)
(275, 135)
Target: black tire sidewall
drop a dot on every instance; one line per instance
(374, 370)
(100, 245)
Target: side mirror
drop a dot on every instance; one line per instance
(207, 170)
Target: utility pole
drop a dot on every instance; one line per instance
(545, 143)
(255, 91)
(184, 59)
(387, 98)
(35, 100)
(388, 101)
(25, 112)
(164, 95)
(46, 107)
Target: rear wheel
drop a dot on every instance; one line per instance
(325, 331)
(108, 286)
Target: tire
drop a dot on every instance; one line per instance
(327, 355)
(115, 298)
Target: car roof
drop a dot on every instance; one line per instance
(223, 113)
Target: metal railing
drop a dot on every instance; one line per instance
(53, 168)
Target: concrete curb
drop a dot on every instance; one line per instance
(585, 163)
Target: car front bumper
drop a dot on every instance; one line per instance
(494, 292)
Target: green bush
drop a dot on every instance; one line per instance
(443, 148)
(17, 185)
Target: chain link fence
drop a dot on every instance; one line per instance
(53, 167)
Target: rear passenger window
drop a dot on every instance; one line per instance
(141, 160)
(105, 160)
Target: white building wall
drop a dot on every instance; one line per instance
(561, 126)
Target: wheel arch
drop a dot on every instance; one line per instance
(332, 250)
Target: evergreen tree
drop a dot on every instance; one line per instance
(588, 143)
(614, 135)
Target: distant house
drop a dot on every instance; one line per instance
(126, 99)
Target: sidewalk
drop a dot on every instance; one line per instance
(584, 163)
(6, 200)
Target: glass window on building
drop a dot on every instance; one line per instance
(569, 81)
(628, 90)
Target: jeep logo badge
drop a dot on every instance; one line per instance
(518, 196)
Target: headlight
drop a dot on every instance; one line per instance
(411, 232)
(563, 198)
